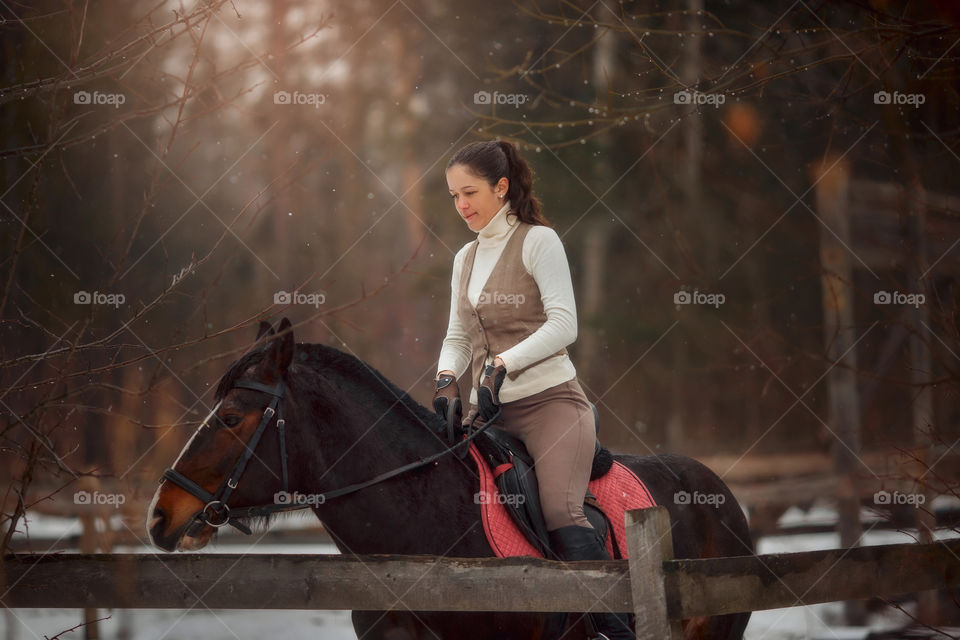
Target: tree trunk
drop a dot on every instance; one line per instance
(832, 199)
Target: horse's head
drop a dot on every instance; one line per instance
(234, 459)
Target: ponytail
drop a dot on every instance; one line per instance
(494, 160)
(520, 191)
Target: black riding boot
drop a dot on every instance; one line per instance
(581, 543)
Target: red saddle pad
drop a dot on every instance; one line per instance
(617, 491)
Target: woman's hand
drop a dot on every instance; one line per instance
(488, 393)
(446, 398)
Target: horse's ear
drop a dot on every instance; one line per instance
(264, 329)
(280, 351)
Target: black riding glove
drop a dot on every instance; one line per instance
(446, 399)
(488, 393)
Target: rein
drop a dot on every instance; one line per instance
(216, 513)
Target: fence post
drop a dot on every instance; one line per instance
(649, 543)
(88, 544)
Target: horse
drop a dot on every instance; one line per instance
(345, 431)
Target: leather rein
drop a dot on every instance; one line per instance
(215, 511)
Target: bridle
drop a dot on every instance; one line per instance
(215, 511)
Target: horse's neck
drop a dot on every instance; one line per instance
(425, 510)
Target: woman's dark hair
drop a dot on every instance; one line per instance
(494, 160)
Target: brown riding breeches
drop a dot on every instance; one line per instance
(558, 428)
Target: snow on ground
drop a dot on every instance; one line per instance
(823, 621)
(815, 622)
(199, 624)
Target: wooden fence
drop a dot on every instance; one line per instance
(660, 590)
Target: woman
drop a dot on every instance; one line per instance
(512, 313)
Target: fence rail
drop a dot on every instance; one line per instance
(659, 589)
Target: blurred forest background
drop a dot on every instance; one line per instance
(171, 170)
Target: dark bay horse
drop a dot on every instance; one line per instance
(344, 423)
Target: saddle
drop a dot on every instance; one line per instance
(513, 472)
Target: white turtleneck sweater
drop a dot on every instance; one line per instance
(545, 259)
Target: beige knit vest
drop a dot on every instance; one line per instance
(509, 307)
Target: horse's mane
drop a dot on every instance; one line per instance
(322, 358)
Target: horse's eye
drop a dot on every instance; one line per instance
(231, 420)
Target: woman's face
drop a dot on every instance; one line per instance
(476, 201)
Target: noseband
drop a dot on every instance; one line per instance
(215, 511)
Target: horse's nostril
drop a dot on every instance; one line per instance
(159, 517)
